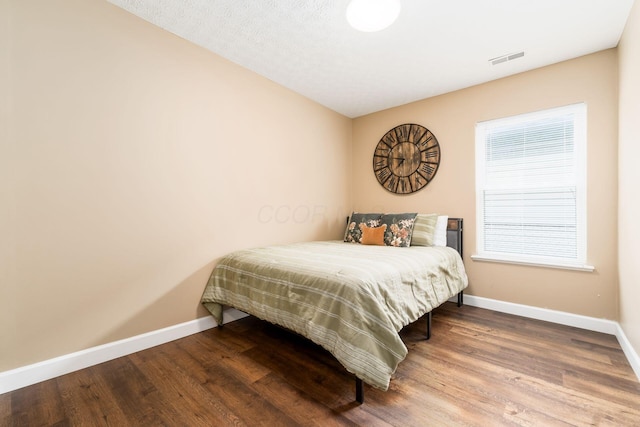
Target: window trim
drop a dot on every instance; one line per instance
(580, 139)
(541, 263)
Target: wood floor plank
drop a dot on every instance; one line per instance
(288, 399)
(136, 395)
(191, 375)
(239, 397)
(538, 390)
(38, 405)
(525, 344)
(183, 398)
(531, 352)
(88, 401)
(5, 409)
(622, 391)
(233, 360)
(480, 368)
(287, 355)
(449, 376)
(329, 387)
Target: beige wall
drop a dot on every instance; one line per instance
(7, 327)
(629, 179)
(132, 161)
(452, 118)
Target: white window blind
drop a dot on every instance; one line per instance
(530, 182)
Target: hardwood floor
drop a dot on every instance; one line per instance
(480, 368)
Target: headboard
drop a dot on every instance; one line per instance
(454, 234)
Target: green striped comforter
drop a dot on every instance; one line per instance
(351, 299)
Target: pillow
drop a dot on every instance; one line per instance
(399, 228)
(373, 235)
(424, 230)
(440, 236)
(353, 233)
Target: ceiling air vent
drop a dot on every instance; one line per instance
(505, 58)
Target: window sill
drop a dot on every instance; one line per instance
(578, 267)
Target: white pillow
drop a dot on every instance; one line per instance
(440, 235)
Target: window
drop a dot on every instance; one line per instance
(530, 188)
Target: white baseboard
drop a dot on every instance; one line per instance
(560, 317)
(632, 356)
(584, 322)
(42, 371)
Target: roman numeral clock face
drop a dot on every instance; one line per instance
(406, 158)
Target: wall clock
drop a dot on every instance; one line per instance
(406, 158)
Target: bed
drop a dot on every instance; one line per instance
(351, 299)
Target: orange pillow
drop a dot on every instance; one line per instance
(373, 235)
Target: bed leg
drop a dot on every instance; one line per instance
(429, 325)
(221, 318)
(460, 299)
(359, 391)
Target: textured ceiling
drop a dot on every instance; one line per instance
(435, 46)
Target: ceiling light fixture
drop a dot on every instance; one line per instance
(372, 15)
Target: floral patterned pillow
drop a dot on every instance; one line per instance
(353, 233)
(399, 228)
